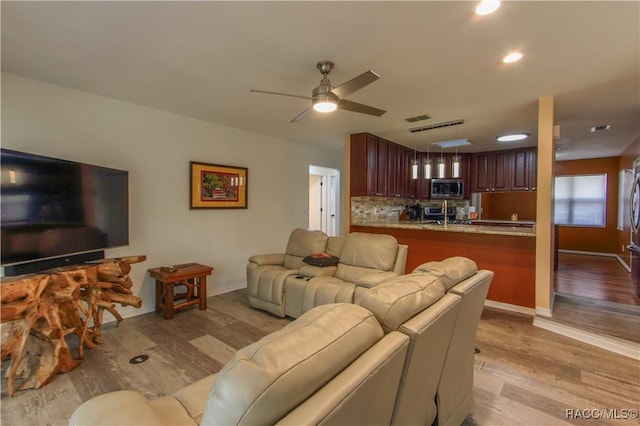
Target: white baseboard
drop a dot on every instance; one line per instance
(629, 349)
(544, 312)
(587, 253)
(509, 307)
(228, 286)
(593, 253)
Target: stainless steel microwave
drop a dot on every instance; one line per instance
(447, 189)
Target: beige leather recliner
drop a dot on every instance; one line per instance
(437, 380)
(266, 273)
(455, 388)
(364, 261)
(326, 367)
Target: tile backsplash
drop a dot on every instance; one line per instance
(387, 210)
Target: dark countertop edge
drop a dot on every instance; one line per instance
(467, 229)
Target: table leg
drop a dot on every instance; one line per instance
(202, 292)
(159, 291)
(168, 301)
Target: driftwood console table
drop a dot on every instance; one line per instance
(39, 311)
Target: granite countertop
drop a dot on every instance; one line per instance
(524, 229)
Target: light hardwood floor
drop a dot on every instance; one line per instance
(524, 375)
(594, 294)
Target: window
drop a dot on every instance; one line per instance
(580, 200)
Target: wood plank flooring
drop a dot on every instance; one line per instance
(594, 277)
(524, 375)
(594, 294)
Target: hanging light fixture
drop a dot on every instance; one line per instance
(427, 165)
(414, 164)
(455, 165)
(441, 166)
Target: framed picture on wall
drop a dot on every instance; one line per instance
(214, 186)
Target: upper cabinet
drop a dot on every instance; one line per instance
(367, 154)
(382, 168)
(502, 171)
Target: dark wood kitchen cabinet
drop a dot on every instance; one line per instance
(381, 175)
(502, 171)
(401, 176)
(397, 172)
(368, 163)
(522, 176)
(491, 171)
(533, 169)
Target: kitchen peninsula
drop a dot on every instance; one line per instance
(508, 251)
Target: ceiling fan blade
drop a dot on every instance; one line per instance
(281, 94)
(345, 89)
(302, 115)
(356, 107)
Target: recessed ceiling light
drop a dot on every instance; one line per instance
(512, 57)
(512, 137)
(451, 144)
(487, 7)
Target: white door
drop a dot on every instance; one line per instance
(324, 196)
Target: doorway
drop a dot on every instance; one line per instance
(324, 196)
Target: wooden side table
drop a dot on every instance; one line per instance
(192, 276)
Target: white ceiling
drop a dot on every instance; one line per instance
(200, 59)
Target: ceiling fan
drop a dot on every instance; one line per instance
(326, 98)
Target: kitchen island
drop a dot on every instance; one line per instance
(507, 249)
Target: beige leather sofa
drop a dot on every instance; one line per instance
(324, 368)
(406, 343)
(284, 285)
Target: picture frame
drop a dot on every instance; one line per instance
(216, 186)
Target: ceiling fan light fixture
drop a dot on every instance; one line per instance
(324, 101)
(325, 106)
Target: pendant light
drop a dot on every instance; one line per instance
(455, 165)
(441, 166)
(427, 165)
(414, 165)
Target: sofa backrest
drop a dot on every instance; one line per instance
(334, 245)
(363, 394)
(267, 379)
(364, 253)
(302, 243)
(451, 271)
(455, 390)
(398, 299)
(429, 333)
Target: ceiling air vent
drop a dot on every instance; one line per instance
(417, 118)
(437, 125)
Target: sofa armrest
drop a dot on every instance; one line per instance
(318, 271)
(127, 407)
(267, 259)
(194, 397)
(373, 279)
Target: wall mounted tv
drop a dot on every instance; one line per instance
(56, 212)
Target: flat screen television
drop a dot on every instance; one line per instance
(56, 212)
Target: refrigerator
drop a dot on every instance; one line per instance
(634, 214)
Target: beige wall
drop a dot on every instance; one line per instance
(156, 147)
